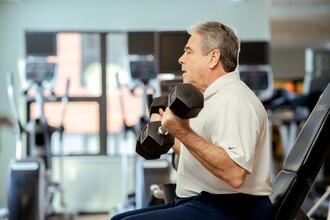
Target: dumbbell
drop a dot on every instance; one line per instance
(157, 103)
(186, 101)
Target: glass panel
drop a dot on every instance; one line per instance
(123, 106)
(81, 124)
(78, 58)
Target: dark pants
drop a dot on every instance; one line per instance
(206, 206)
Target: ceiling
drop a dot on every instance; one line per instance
(300, 23)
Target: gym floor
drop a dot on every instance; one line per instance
(82, 217)
(78, 217)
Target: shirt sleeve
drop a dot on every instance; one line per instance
(235, 129)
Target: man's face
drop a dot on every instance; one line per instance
(194, 64)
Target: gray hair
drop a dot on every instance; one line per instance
(216, 35)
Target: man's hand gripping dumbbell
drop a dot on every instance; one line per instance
(158, 103)
(185, 101)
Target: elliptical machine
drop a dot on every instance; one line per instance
(30, 186)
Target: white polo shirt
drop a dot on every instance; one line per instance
(234, 119)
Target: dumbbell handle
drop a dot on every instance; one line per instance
(162, 131)
(159, 102)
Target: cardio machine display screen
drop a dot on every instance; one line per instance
(143, 70)
(256, 80)
(40, 72)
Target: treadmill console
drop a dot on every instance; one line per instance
(259, 79)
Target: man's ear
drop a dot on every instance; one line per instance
(214, 56)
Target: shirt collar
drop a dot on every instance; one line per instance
(220, 82)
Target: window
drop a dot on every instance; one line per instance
(78, 60)
(105, 103)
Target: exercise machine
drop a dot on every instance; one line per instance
(143, 79)
(30, 186)
(303, 163)
(147, 172)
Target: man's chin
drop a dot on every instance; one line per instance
(185, 79)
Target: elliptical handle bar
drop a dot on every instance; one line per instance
(18, 128)
(64, 101)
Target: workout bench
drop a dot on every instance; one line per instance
(303, 163)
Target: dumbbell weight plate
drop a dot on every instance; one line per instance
(142, 152)
(153, 142)
(157, 103)
(186, 101)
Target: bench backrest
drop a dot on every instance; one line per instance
(294, 181)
